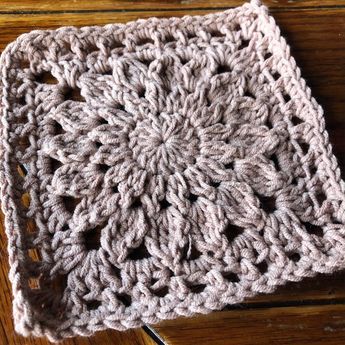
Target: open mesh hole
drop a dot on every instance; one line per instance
(125, 299)
(223, 69)
(161, 292)
(236, 27)
(169, 38)
(215, 184)
(92, 238)
(313, 229)
(93, 305)
(294, 256)
(116, 45)
(286, 97)
(192, 198)
(70, 203)
(304, 147)
(267, 55)
(54, 164)
(145, 40)
(103, 168)
(26, 200)
(31, 226)
(58, 128)
(190, 253)
(139, 253)
(21, 100)
(164, 204)
(267, 203)
(92, 48)
(197, 288)
(23, 143)
(262, 267)
(146, 62)
(320, 196)
(98, 144)
(34, 254)
(313, 169)
(115, 271)
(231, 277)
(141, 92)
(274, 159)
(248, 93)
(216, 33)
(34, 283)
(229, 165)
(276, 75)
(232, 231)
(102, 121)
(244, 44)
(136, 203)
(296, 120)
(191, 34)
(73, 95)
(22, 171)
(46, 78)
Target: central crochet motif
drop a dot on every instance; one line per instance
(164, 144)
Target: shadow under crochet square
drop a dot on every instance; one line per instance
(161, 168)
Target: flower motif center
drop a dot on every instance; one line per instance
(164, 145)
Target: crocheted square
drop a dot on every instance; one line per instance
(160, 168)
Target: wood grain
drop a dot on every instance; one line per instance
(110, 5)
(317, 325)
(309, 312)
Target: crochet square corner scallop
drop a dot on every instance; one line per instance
(161, 168)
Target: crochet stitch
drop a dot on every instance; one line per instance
(161, 168)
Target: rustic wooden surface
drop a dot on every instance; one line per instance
(310, 312)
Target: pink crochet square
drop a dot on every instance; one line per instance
(160, 168)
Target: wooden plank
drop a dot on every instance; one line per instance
(317, 325)
(9, 337)
(109, 5)
(317, 39)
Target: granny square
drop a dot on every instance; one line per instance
(161, 168)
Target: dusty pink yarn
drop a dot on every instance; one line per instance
(194, 171)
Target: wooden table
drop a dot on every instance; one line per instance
(311, 312)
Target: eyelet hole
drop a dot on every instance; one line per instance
(313, 229)
(197, 288)
(139, 253)
(223, 69)
(294, 256)
(46, 78)
(93, 305)
(164, 204)
(125, 299)
(92, 238)
(73, 95)
(267, 203)
(231, 277)
(262, 267)
(232, 231)
(70, 203)
(192, 198)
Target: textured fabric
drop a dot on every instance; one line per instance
(161, 168)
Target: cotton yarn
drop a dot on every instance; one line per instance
(172, 166)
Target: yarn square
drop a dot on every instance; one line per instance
(161, 168)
